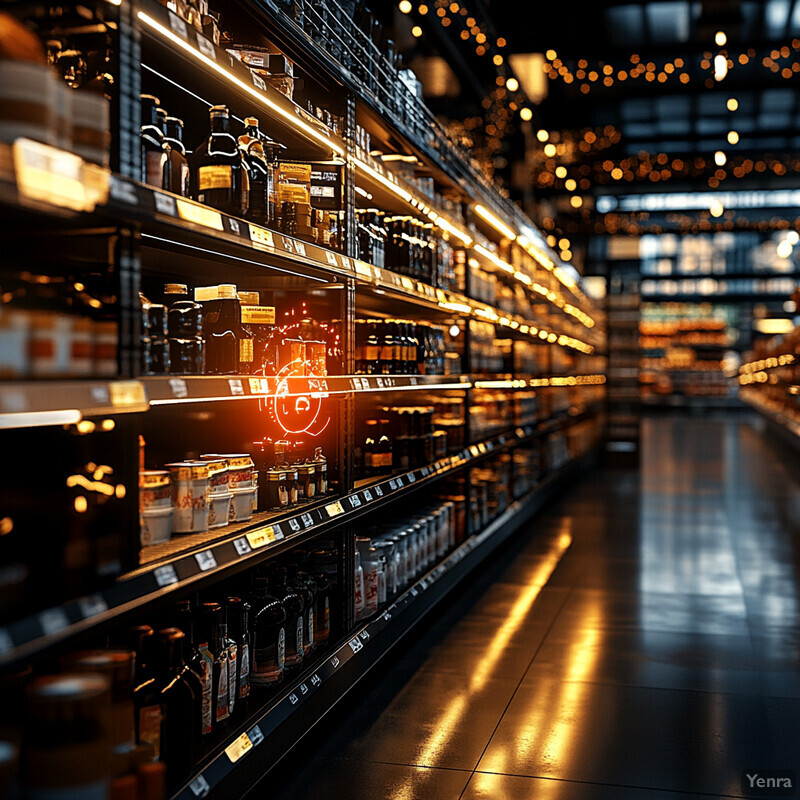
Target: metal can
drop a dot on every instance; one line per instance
(190, 495)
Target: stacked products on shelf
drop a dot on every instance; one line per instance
(399, 347)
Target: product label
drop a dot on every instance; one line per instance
(150, 719)
(154, 169)
(246, 351)
(310, 628)
(293, 494)
(371, 352)
(206, 679)
(298, 636)
(268, 662)
(258, 315)
(233, 668)
(244, 672)
(282, 649)
(214, 178)
(371, 581)
(223, 697)
(283, 496)
(387, 353)
(312, 489)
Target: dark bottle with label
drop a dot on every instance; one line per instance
(372, 348)
(258, 169)
(238, 615)
(177, 171)
(259, 322)
(388, 350)
(185, 331)
(219, 176)
(369, 449)
(148, 712)
(383, 449)
(229, 346)
(293, 600)
(307, 586)
(197, 675)
(154, 147)
(269, 637)
(181, 705)
(322, 609)
(231, 652)
(216, 655)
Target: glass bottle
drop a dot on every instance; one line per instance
(154, 152)
(321, 464)
(293, 602)
(147, 706)
(185, 331)
(259, 320)
(215, 664)
(369, 448)
(387, 348)
(219, 176)
(238, 614)
(231, 651)
(372, 348)
(383, 448)
(177, 171)
(197, 674)
(269, 636)
(258, 171)
(308, 587)
(229, 346)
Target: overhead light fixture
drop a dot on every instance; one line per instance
(720, 158)
(720, 39)
(773, 326)
(496, 260)
(446, 225)
(384, 181)
(494, 221)
(287, 115)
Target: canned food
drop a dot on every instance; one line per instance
(190, 481)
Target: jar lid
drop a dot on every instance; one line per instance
(289, 472)
(189, 470)
(275, 474)
(154, 477)
(309, 468)
(216, 465)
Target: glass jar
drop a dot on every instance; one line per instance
(306, 483)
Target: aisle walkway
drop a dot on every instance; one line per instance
(661, 656)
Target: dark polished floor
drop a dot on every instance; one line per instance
(642, 641)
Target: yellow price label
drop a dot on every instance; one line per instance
(259, 386)
(127, 394)
(261, 238)
(199, 215)
(363, 270)
(260, 538)
(334, 509)
(239, 748)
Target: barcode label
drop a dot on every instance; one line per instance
(164, 204)
(165, 575)
(238, 748)
(242, 546)
(206, 47)
(199, 786)
(205, 560)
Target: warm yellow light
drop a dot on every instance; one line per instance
(720, 39)
(785, 249)
(495, 222)
(405, 7)
(551, 55)
(793, 237)
(570, 185)
(551, 240)
(733, 137)
(423, 10)
(720, 67)
(416, 31)
(720, 158)
(382, 179)
(288, 116)
(575, 201)
(526, 114)
(512, 84)
(497, 60)
(732, 104)
(542, 135)
(563, 244)
(566, 255)
(561, 172)
(549, 150)
(616, 173)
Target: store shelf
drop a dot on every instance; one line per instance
(271, 731)
(224, 551)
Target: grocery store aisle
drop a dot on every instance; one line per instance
(660, 656)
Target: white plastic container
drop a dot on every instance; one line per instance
(219, 495)
(190, 496)
(155, 507)
(243, 504)
(155, 525)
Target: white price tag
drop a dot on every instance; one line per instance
(165, 204)
(234, 225)
(364, 636)
(6, 642)
(400, 483)
(355, 501)
(368, 495)
(259, 81)
(316, 680)
(392, 484)
(308, 520)
(242, 546)
(299, 247)
(293, 698)
(165, 575)
(378, 491)
(303, 688)
(238, 748)
(177, 25)
(92, 606)
(178, 387)
(199, 786)
(331, 258)
(206, 47)
(235, 384)
(205, 560)
(412, 478)
(355, 645)
(334, 509)
(335, 662)
(53, 620)
(294, 524)
(278, 531)
(256, 736)
(261, 238)
(414, 591)
(346, 263)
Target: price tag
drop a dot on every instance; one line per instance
(206, 47)
(235, 384)
(205, 560)
(294, 524)
(92, 606)
(278, 531)
(386, 615)
(335, 662)
(363, 270)
(412, 478)
(364, 636)
(293, 699)
(316, 680)
(123, 192)
(400, 483)
(308, 520)
(379, 382)
(53, 620)
(234, 225)
(482, 447)
(165, 575)
(356, 645)
(260, 538)
(127, 394)
(334, 509)
(242, 546)
(199, 786)
(256, 736)
(165, 204)
(178, 387)
(355, 501)
(303, 688)
(414, 591)
(425, 472)
(200, 215)
(331, 258)
(378, 491)
(393, 484)
(407, 283)
(238, 748)
(474, 450)
(300, 248)
(177, 24)
(368, 495)
(259, 81)
(6, 642)
(261, 238)
(259, 385)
